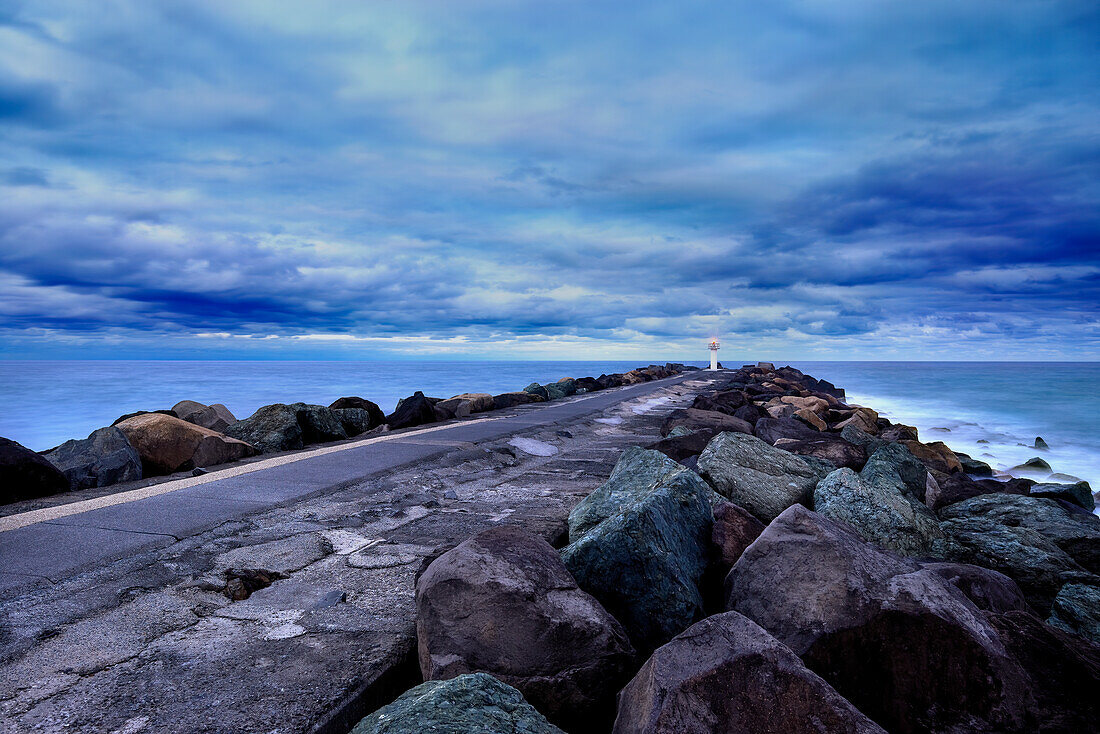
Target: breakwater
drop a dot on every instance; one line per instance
(780, 560)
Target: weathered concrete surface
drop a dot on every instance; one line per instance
(148, 643)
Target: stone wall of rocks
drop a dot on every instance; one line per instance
(192, 436)
(781, 561)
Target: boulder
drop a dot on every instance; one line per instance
(761, 478)
(935, 456)
(958, 487)
(644, 562)
(898, 432)
(727, 674)
(480, 402)
(1079, 494)
(355, 421)
(469, 704)
(974, 467)
(1040, 444)
(511, 399)
(319, 424)
(607, 381)
(1062, 673)
(694, 419)
(897, 640)
(1005, 539)
(727, 401)
(26, 475)
(773, 429)
(810, 418)
(766, 366)
(452, 408)
(554, 391)
(864, 419)
(829, 447)
(811, 403)
(537, 390)
(991, 591)
(503, 603)
(167, 444)
(415, 410)
(377, 417)
(567, 385)
(750, 413)
(216, 417)
(1036, 465)
(682, 443)
(637, 473)
(733, 531)
(103, 458)
(271, 428)
(127, 416)
(588, 384)
(893, 465)
(880, 512)
(1076, 610)
(1077, 533)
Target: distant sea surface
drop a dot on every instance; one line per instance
(1004, 405)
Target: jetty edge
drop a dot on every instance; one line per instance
(769, 557)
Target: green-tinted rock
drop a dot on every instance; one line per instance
(1076, 609)
(974, 467)
(877, 509)
(645, 561)
(761, 478)
(538, 390)
(638, 472)
(470, 704)
(554, 391)
(1079, 493)
(893, 465)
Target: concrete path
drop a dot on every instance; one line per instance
(113, 616)
(85, 533)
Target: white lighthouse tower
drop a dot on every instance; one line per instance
(714, 346)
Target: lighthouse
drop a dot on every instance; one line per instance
(714, 346)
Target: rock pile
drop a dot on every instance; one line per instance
(193, 435)
(824, 571)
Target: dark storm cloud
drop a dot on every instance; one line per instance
(809, 175)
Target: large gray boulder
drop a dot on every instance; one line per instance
(1022, 536)
(27, 475)
(469, 704)
(894, 466)
(637, 472)
(991, 591)
(694, 419)
(899, 641)
(1079, 494)
(271, 428)
(881, 513)
(829, 447)
(503, 603)
(1076, 609)
(415, 410)
(103, 458)
(355, 421)
(727, 674)
(319, 424)
(644, 562)
(759, 477)
(376, 416)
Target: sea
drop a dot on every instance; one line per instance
(990, 410)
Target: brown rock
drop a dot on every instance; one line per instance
(726, 674)
(503, 603)
(864, 419)
(897, 640)
(479, 401)
(167, 444)
(935, 456)
(734, 529)
(810, 418)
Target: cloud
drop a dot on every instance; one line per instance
(843, 178)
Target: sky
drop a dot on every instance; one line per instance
(804, 179)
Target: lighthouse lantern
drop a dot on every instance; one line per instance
(714, 346)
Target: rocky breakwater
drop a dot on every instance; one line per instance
(193, 436)
(780, 561)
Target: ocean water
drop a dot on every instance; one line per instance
(992, 411)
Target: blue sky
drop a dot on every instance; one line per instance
(832, 179)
